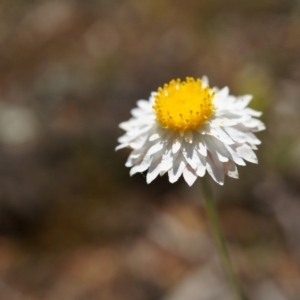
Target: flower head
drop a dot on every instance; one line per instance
(187, 128)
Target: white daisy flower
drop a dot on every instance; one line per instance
(187, 128)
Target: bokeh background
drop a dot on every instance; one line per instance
(73, 224)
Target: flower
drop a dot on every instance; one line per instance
(187, 128)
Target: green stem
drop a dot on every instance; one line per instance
(219, 239)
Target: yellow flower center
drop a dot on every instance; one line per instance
(183, 105)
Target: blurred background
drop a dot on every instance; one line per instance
(73, 224)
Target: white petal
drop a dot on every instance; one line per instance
(144, 104)
(253, 112)
(152, 98)
(188, 136)
(176, 145)
(259, 127)
(157, 133)
(215, 169)
(162, 172)
(136, 112)
(220, 134)
(252, 139)
(125, 126)
(142, 167)
(217, 148)
(247, 153)
(138, 143)
(254, 124)
(166, 162)
(243, 101)
(154, 168)
(236, 135)
(121, 146)
(221, 94)
(189, 175)
(236, 158)
(205, 81)
(178, 166)
(135, 158)
(201, 147)
(201, 168)
(154, 137)
(231, 169)
(190, 155)
(155, 148)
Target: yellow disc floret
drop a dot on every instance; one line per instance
(183, 105)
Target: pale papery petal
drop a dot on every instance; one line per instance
(136, 112)
(236, 158)
(220, 134)
(154, 137)
(142, 167)
(215, 169)
(217, 148)
(253, 112)
(138, 143)
(178, 166)
(188, 136)
(137, 155)
(154, 168)
(247, 153)
(190, 155)
(144, 104)
(199, 145)
(121, 146)
(205, 81)
(167, 161)
(237, 135)
(252, 139)
(243, 101)
(189, 175)
(202, 149)
(176, 144)
(254, 124)
(230, 169)
(201, 168)
(155, 148)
